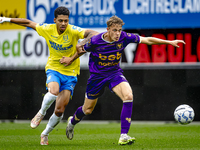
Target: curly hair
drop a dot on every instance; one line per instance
(61, 11)
(114, 20)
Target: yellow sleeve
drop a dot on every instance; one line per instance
(42, 28)
(79, 32)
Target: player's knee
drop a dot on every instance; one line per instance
(128, 96)
(59, 112)
(54, 92)
(88, 111)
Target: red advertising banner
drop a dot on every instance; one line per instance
(167, 54)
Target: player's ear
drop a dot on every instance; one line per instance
(54, 20)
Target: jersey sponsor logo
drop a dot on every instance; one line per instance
(109, 58)
(108, 63)
(59, 47)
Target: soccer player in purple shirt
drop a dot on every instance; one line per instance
(105, 54)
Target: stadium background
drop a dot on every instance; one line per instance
(162, 77)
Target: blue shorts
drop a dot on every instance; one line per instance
(65, 82)
(96, 84)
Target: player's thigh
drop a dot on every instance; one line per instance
(53, 81)
(124, 91)
(53, 88)
(89, 105)
(63, 99)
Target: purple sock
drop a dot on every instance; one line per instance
(126, 117)
(78, 116)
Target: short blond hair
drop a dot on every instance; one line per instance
(114, 20)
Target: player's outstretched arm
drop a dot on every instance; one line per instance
(153, 40)
(19, 21)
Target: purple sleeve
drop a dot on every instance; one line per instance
(88, 46)
(132, 38)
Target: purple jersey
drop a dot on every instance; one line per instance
(105, 56)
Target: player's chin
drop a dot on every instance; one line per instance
(62, 29)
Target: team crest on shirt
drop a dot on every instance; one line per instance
(119, 45)
(66, 38)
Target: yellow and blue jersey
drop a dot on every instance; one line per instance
(61, 45)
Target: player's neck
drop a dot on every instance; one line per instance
(106, 37)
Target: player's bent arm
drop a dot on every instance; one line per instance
(68, 60)
(88, 35)
(79, 48)
(153, 40)
(19, 21)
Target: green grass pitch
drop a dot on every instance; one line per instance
(90, 136)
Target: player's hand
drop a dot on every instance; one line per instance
(80, 49)
(66, 60)
(4, 19)
(176, 42)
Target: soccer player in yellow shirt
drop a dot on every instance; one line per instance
(61, 39)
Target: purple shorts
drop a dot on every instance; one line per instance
(97, 83)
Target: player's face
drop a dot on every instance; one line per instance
(114, 32)
(61, 23)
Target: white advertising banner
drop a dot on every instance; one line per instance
(21, 49)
